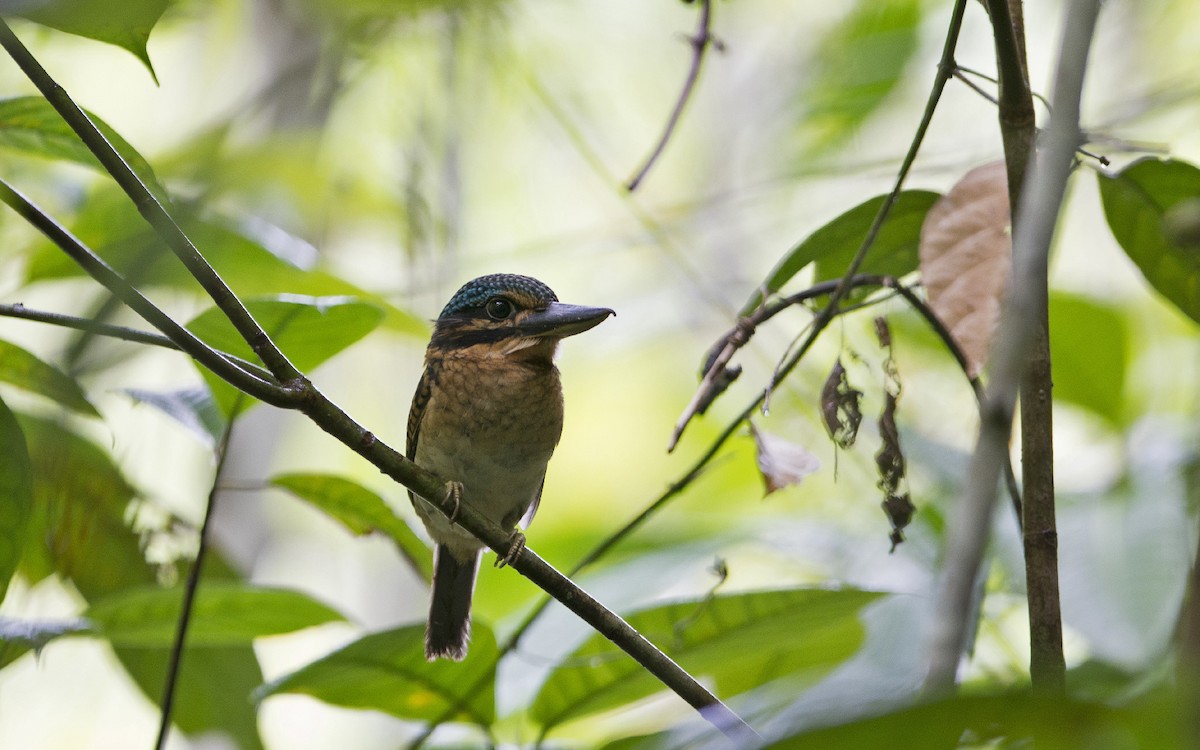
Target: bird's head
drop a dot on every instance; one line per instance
(505, 314)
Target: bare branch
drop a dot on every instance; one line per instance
(700, 42)
(122, 333)
(87, 325)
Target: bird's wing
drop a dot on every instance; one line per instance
(415, 413)
(533, 507)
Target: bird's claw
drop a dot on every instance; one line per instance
(516, 543)
(454, 493)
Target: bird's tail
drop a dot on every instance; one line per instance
(449, 626)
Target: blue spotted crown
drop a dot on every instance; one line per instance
(478, 291)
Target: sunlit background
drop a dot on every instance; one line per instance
(411, 146)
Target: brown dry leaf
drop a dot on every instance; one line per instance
(781, 461)
(966, 259)
(840, 407)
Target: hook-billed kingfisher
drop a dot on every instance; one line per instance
(487, 414)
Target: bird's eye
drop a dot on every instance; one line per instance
(499, 308)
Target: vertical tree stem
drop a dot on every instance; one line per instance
(1038, 209)
(1017, 127)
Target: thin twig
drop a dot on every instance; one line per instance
(175, 660)
(713, 377)
(88, 325)
(260, 386)
(945, 71)
(958, 75)
(992, 79)
(1040, 204)
(121, 333)
(699, 43)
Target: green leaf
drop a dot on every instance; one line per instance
(78, 530)
(1089, 347)
(223, 614)
(22, 369)
(894, 252)
(735, 641)
(29, 124)
(857, 65)
(193, 408)
(1004, 720)
(213, 693)
(78, 527)
(832, 247)
(387, 672)
(1137, 201)
(16, 495)
(126, 24)
(359, 510)
(309, 330)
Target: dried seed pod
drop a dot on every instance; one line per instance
(890, 462)
(889, 459)
(840, 407)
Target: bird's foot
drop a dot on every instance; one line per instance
(454, 493)
(516, 543)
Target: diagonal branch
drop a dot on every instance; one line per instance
(700, 42)
(301, 394)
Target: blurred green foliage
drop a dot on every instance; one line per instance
(357, 159)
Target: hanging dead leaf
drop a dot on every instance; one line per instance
(840, 407)
(781, 462)
(897, 504)
(966, 259)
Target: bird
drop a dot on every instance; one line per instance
(487, 415)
